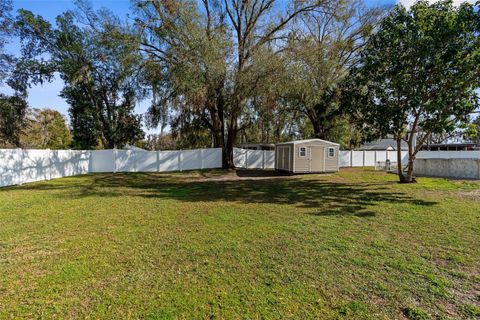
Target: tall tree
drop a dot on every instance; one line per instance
(321, 49)
(6, 31)
(12, 108)
(99, 69)
(418, 75)
(12, 119)
(210, 60)
(46, 129)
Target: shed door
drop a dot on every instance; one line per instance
(286, 158)
(317, 159)
(283, 161)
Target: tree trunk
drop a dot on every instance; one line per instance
(217, 132)
(317, 126)
(228, 149)
(401, 176)
(411, 159)
(410, 178)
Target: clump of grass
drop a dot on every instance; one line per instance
(416, 313)
(471, 311)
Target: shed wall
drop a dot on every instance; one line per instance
(299, 164)
(302, 164)
(331, 163)
(284, 157)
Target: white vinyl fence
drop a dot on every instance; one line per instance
(254, 159)
(352, 158)
(448, 164)
(19, 166)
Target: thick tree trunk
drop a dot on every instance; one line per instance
(316, 125)
(228, 149)
(217, 132)
(410, 178)
(217, 122)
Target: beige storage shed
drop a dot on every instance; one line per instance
(307, 156)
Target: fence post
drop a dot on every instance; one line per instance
(158, 160)
(363, 158)
(20, 175)
(115, 160)
(351, 158)
(201, 159)
(263, 160)
(478, 166)
(246, 158)
(50, 164)
(180, 160)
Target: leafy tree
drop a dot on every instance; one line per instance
(46, 129)
(6, 60)
(208, 61)
(99, 67)
(12, 108)
(322, 47)
(12, 119)
(472, 131)
(417, 75)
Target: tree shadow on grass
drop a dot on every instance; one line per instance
(324, 198)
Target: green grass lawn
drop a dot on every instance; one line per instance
(352, 245)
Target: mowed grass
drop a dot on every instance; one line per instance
(351, 245)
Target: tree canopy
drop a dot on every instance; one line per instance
(45, 129)
(99, 67)
(418, 74)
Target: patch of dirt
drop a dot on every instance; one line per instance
(234, 175)
(475, 194)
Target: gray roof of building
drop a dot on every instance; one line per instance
(383, 144)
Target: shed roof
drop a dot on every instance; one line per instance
(307, 141)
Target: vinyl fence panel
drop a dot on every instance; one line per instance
(146, 161)
(125, 161)
(35, 165)
(345, 158)
(11, 167)
(369, 158)
(211, 158)
(357, 159)
(66, 163)
(269, 160)
(169, 161)
(255, 159)
(240, 157)
(381, 156)
(191, 160)
(102, 161)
